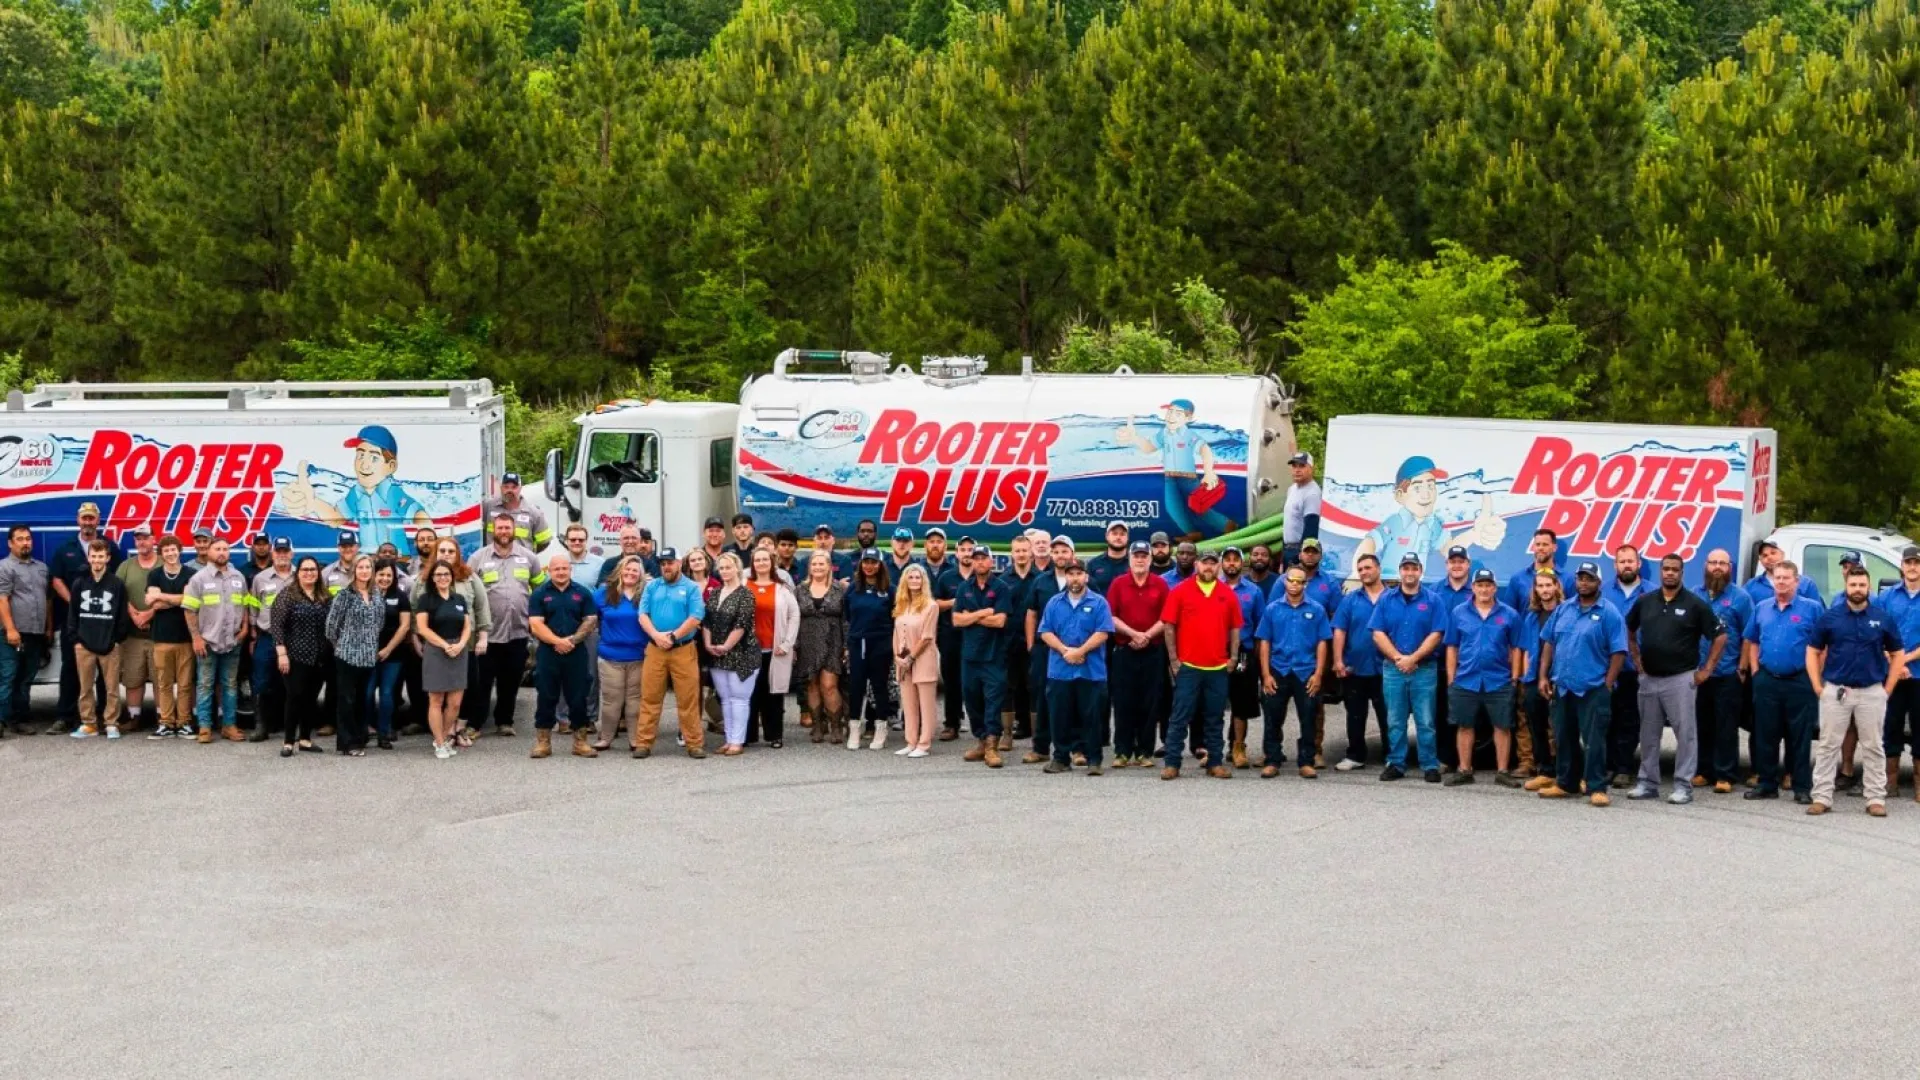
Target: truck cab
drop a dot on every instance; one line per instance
(666, 466)
(1816, 550)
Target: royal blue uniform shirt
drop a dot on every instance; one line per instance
(1782, 634)
(1584, 640)
(1293, 633)
(1407, 620)
(1074, 622)
(1355, 613)
(1734, 608)
(1486, 644)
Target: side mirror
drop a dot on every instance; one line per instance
(553, 475)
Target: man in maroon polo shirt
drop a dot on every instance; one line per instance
(1202, 617)
(1137, 668)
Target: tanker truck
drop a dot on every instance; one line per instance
(834, 438)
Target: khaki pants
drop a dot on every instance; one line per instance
(173, 683)
(86, 665)
(619, 697)
(136, 661)
(682, 666)
(1864, 708)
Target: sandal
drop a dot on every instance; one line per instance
(309, 748)
(775, 744)
(286, 750)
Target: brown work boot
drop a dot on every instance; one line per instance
(1220, 772)
(1893, 779)
(1540, 783)
(1600, 798)
(1032, 757)
(992, 755)
(1722, 787)
(1553, 791)
(205, 736)
(1817, 809)
(1876, 810)
(581, 747)
(1699, 781)
(1307, 772)
(1170, 773)
(233, 734)
(542, 743)
(948, 734)
(1269, 772)
(1006, 741)
(1239, 755)
(977, 753)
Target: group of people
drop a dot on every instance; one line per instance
(1561, 682)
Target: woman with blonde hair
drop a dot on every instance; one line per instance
(916, 658)
(728, 635)
(623, 647)
(821, 655)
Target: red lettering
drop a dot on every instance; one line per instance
(1705, 488)
(1563, 516)
(934, 511)
(188, 514)
(989, 431)
(1650, 467)
(909, 488)
(1702, 520)
(141, 465)
(1009, 446)
(973, 497)
(210, 455)
(883, 442)
(1614, 477)
(101, 469)
(232, 467)
(1036, 484)
(1038, 441)
(1674, 480)
(1587, 540)
(1544, 459)
(1578, 474)
(265, 458)
(953, 444)
(176, 465)
(920, 443)
(128, 510)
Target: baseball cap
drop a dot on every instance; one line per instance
(982, 551)
(1310, 542)
(281, 543)
(903, 533)
(1231, 550)
(667, 554)
(743, 519)
(1112, 525)
(937, 531)
(869, 553)
(646, 533)
(964, 539)
(823, 527)
(1159, 538)
(1483, 574)
(143, 529)
(203, 533)
(1301, 458)
(1068, 566)
(1852, 557)
(1909, 552)
(262, 538)
(1414, 466)
(1590, 569)
(505, 478)
(348, 536)
(714, 523)
(1061, 538)
(1456, 552)
(1769, 544)
(1140, 547)
(1209, 555)
(1410, 559)
(88, 508)
(381, 439)
(1179, 403)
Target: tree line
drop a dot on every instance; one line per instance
(1650, 210)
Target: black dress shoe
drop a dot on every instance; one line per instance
(1760, 793)
(1803, 798)
(1432, 776)
(1392, 772)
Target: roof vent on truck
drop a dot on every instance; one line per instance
(953, 370)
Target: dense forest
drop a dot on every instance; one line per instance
(1700, 211)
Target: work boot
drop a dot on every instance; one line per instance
(1220, 772)
(1006, 741)
(1893, 779)
(1170, 773)
(948, 734)
(1540, 783)
(581, 747)
(992, 754)
(1032, 757)
(1239, 754)
(1553, 791)
(817, 733)
(978, 753)
(542, 743)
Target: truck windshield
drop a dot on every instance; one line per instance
(616, 458)
(1823, 565)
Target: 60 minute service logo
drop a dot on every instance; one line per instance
(829, 428)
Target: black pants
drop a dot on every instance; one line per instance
(416, 713)
(1784, 709)
(953, 695)
(350, 705)
(303, 699)
(1078, 708)
(1716, 708)
(1539, 720)
(1019, 678)
(558, 678)
(1042, 710)
(1903, 720)
(1361, 693)
(1243, 689)
(1138, 681)
(498, 673)
(768, 714)
(1442, 721)
(1290, 688)
(1623, 730)
(869, 661)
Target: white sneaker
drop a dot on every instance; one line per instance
(920, 753)
(440, 751)
(904, 751)
(1347, 765)
(112, 732)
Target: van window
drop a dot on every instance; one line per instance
(720, 463)
(618, 458)
(1823, 565)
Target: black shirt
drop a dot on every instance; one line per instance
(445, 616)
(1671, 631)
(397, 608)
(169, 624)
(563, 609)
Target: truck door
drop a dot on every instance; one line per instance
(621, 486)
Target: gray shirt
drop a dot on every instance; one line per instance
(24, 583)
(1303, 500)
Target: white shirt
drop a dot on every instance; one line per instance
(1303, 501)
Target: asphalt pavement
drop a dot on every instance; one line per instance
(178, 910)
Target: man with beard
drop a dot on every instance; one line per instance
(1041, 588)
(1074, 629)
(1902, 603)
(1720, 697)
(1110, 565)
(216, 610)
(424, 541)
(1301, 516)
(899, 558)
(509, 573)
(1260, 568)
(982, 607)
(1243, 681)
(1021, 577)
(1581, 650)
(1853, 659)
(1160, 548)
(1545, 550)
(1138, 666)
(1624, 733)
(1184, 561)
(1356, 661)
(866, 534)
(1455, 591)
(1667, 628)
(743, 538)
(1408, 624)
(1784, 705)
(1203, 637)
(1295, 635)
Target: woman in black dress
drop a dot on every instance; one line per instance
(820, 655)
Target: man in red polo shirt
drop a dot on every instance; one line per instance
(1203, 621)
(1137, 668)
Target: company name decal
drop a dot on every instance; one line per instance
(226, 488)
(1674, 498)
(962, 473)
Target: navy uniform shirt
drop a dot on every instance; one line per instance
(1485, 644)
(1021, 589)
(1044, 587)
(1408, 620)
(563, 609)
(980, 643)
(945, 579)
(1782, 634)
(869, 615)
(1104, 569)
(1074, 622)
(1293, 633)
(1584, 640)
(1857, 644)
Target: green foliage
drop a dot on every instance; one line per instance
(1215, 341)
(422, 348)
(1447, 337)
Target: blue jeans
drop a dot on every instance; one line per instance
(983, 686)
(17, 669)
(1176, 489)
(269, 686)
(225, 667)
(380, 691)
(1580, 738)
(1411, 694)
(1199, 697)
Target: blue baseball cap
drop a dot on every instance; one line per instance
(1180, 403)
(1456, 552)
(505, 478)
(870, 554)
(1853, 557)
(903, 533)
(1592, 570)
(348, 536)
(1410, 559)
(1414, 466)
(1140, 547)
(378, 437)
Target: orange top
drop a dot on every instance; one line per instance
(763, 601)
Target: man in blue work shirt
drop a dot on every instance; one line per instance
(1783, 701)
(1902, 603)
(1581, 651)
(1407, 626)
(1356, 662)
(1760, 589)
(1455, 589)
(1854, 659)
(1243, 682)
(1718, 701)
(1545, 549)
(982, 608)
(1074, 628)
(1295, 638)
(561, 616)
(1483, 661)
(1322, 588)
(671, 609)
(1623, 731)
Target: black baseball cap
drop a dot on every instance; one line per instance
(646, 533)
(714, 523)
(1410, 559)
(1591, 570)
(1853, 557)
(348, 536)
(281, 543)
(510, 478)
(823, 527)
(1909, 552)
(667, 554)
(1140, 547)
(964, 540)
(982, 551)
(1301, 458)
(1483, 574)
(1209, 555)
(262, 538)
(1456, 552)
(870, 553)
(743, 519)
